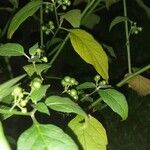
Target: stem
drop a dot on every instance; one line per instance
(127, 38)
(8, 67)
(59, 50)
(13, 112)
(41, 23)
(87, 8)
(95, 103)
(124, 81)
(56, 15)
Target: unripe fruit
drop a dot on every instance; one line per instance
(76, 97)
(73, 81)
(103, 82)
(97, 78)
(67, 79)
(23, 103)
(73, 92)
(17, 91)
(36, 83)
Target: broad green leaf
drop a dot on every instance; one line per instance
(3, 142)
(64, 104)
(73, 17)
(90, 21)
(86, 85)
(6, 88)
(11, 49)
(90, 51)
(41, 107)
(4, 116)
(33, 49)
(27, 11)
(45, 137)
(116, 101)
(38, 94)
(117, 20)
(89, 133)
(30, 69)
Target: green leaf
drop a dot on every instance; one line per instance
(73, 17)
(7, 87)
(86, 85)
(64, 104)
(116, 101)
(110, 50)
(11, 49)
(41, 107)
(38, 94)
(3, 142)
(117, 20)
(45, 137)
(89, 133)
(30, 69)
(33, 49)
(90, 51)
(90, 21)
(27, 11)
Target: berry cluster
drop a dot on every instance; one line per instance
(98, 81)
(64, 3)
(134, 28)
(48, 28)
(68, 82)
(49, 8)
(21, 97)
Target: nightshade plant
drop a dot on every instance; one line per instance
(84, 131)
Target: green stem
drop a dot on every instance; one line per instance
(95, 103)
(56, 15)
(59, 50)
(13, 112)
(127, 38)
(41, 23)
(126, 79)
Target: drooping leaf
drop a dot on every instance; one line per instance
(27, 11)
(110, 50)
(73, 17)
(117, 20)
(64, 104)
(3, 142)
(11, 49)
(90, 21)
(32, 50)
(116, 101)
(30, 69)
(86, 85)
(90, 133)
(6, 88)
(90, 51)
(38, 94)
(41, 107)
(140, 84)
(45, 137)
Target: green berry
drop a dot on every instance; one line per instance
(103, 82)
(73, 81)
(63, 83)
(36, 83)
(97, 78)
(76, 83)
(76, 97)
(73, 92)
(67, 79)
(64, 7)
(17, 91)
(23, 103)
